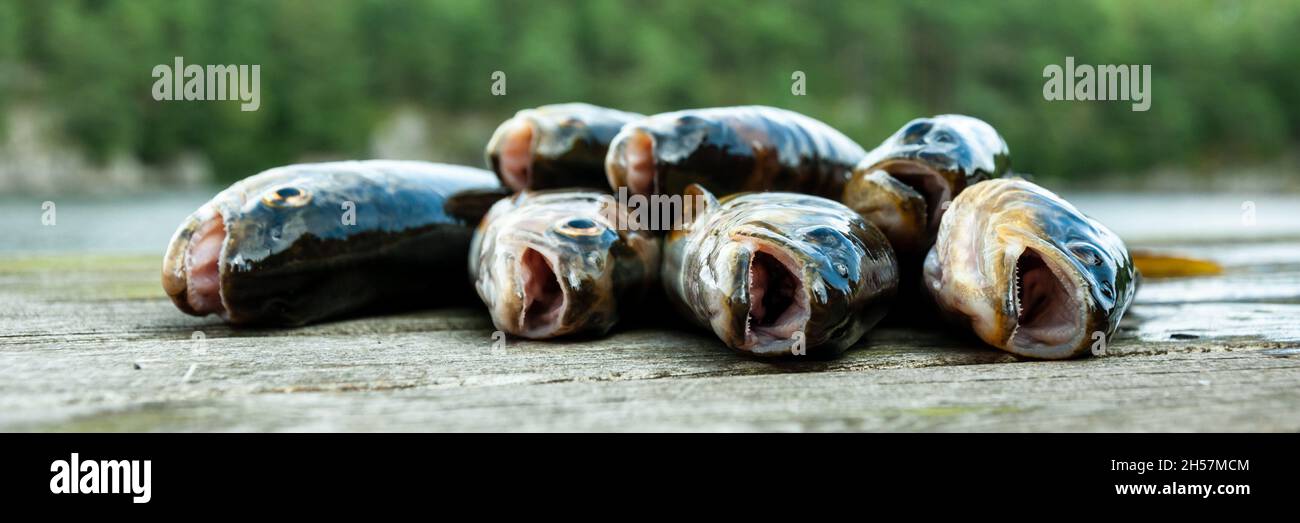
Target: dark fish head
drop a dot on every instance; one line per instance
(251, 221)
(929, 161)
(1028, 272)
(571, 135)
(763, 269)
(551, 263)
(281, 224)
(642, 150)
(510, 151)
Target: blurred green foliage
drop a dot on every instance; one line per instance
(1226, 84)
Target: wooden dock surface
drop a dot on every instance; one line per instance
(88, 343)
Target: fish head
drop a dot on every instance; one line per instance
(551, 263)
(774, 267)
(1029, 272)
(643, 151)
(510, 150)
(254, 221)
(571, 135)
(546, 132)
(930, 160)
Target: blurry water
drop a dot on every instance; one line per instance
(144, 223)
(140, 223)
(1146, 217)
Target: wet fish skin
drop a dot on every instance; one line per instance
(895, 208)
(555, 146)
(730, 150)
(909, 178)
(756, 268)
(553, 263)
(287, 257)
(1027, 272)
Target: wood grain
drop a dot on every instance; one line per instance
(90, 344)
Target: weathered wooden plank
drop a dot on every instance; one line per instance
(1221, 392)
(88, 344)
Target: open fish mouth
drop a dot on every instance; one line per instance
(780, 274)
(932, 185)
(545, 298)
(1027, 272)
(777, 298)
(551, 263)
(192, 266)
(517, 143)
(637, 160)
(1049, 314)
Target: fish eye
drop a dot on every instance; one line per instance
(579, 228)
(825, 236)
(916, 130)
(1086, 254)
(944, 136)
(842, 269)
(689, 120)
(287, 196)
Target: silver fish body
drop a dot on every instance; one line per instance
(776, 274)
(554, 263)
(1027, 272)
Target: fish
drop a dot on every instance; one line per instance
(555, 263)
(1027, 272)
(307, 242)
(1154, 264)
(730, 150)
(780, 274)
(555, 146)
(904, 184)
